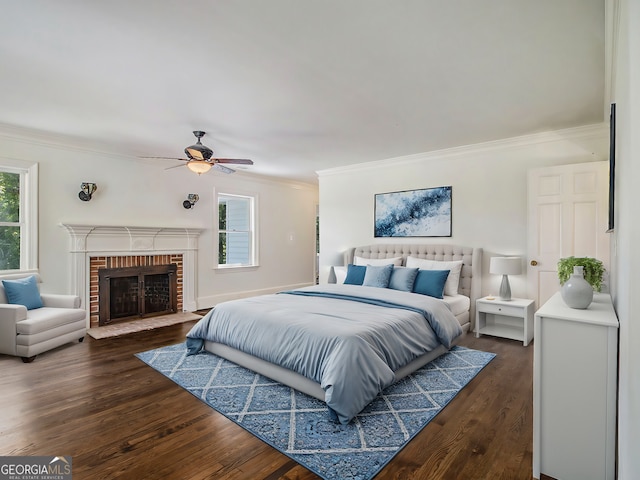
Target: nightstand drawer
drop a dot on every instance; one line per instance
(500, 309)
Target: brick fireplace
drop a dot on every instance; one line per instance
(95, 247)
(114, 267)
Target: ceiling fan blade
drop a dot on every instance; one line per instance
(176, 166)
(237, 161)
(223, 169)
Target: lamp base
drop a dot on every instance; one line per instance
(505, 289)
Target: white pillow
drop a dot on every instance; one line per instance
(378, 262)
(454, 267)
(340, 272)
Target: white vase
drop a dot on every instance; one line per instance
(576, 292)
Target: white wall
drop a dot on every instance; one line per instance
(489, 196)
(134, 192)
(625, 254)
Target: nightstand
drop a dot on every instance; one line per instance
(507, 319)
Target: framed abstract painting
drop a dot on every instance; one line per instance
(413, 213)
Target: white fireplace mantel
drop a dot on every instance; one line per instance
(103, 240)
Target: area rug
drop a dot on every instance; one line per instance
(124, 328)
(299, 425)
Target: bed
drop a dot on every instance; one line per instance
(344, 343)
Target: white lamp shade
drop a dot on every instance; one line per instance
(199, 166)
(506, 265)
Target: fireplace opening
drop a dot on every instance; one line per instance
(128, 293)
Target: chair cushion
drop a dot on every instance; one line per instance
(52, 338)
(46, 318)
(23, 291)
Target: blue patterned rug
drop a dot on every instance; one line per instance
(299, 426)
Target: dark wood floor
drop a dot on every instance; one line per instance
(118, 418)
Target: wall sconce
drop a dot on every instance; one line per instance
(86, 191)
(191, 200)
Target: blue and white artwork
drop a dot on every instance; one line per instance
(414, 213)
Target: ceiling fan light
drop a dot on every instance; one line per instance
(199, 166)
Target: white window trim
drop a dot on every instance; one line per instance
(216, 222)
(28, 210)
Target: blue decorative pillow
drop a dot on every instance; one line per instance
(431, 282)
(355, 274)
(23, 291)
(377, 276)
(402, 278)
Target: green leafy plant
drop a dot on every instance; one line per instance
(593, 270)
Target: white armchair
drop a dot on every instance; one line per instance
(27, 333)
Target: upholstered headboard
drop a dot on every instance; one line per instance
(470, 277)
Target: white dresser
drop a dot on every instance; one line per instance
(574, 390)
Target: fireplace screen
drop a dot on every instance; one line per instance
(136, 292)
(157, 293)
(123, 297)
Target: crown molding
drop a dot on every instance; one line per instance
(57, 141)
(569, 134)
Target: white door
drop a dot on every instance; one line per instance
(568, 208)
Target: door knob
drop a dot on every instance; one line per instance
(534, 263)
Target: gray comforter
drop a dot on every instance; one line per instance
(350, 339)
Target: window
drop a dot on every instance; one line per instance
(236, 230)
(10, 221)
(18, 216)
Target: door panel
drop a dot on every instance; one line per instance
(549, 228)
(584, 218)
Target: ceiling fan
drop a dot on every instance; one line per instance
(200, 158)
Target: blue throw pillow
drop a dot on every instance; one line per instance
(402, 278)
(355, 274)
(377, 276)
(431, 282)
(23, 291)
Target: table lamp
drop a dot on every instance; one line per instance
(505, 266)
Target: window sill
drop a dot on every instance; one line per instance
(20, 272)
(234, 268)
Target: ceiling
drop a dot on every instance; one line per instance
(299, 85)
